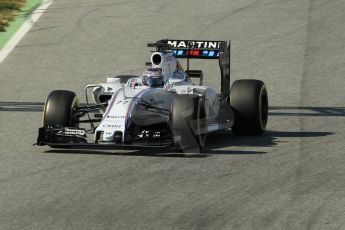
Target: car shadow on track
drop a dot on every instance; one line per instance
(147, 153)
(306, 111)
(216, 144)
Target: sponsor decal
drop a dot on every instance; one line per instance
(114, 120)
(194, 44)
(72, 131)
(123, 101)
(203, 53)
(112, 126)
(116, 117)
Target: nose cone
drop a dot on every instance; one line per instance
(117, 113)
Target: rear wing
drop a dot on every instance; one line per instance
(201, 49)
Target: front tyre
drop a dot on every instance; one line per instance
(60, 109)
(249, 100)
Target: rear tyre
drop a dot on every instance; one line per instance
(188, 122)
(249, 101)
(60, 108)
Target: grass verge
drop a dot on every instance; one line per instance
(9, 9)
(12, 15)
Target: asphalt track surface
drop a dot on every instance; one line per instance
(292, 177)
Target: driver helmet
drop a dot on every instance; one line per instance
(153, 78)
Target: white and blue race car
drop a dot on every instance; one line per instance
(161, 108)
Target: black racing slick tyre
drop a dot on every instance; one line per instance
(249, 100)
(60, 108)
(188, 122)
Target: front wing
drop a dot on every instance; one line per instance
(72, 137)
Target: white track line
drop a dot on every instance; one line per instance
(35, 15)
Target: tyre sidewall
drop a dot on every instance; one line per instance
(247, 98)
(59, 109)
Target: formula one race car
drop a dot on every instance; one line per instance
(161, 108)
